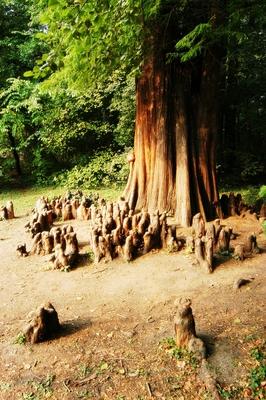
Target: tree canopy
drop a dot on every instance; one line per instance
(68, 70)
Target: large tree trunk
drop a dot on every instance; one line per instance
(175, 138)
(175, 135)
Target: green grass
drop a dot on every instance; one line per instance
(250, 194)
(25, 199)
(20, 339)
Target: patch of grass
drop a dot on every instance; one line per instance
(20, 338)
(4, 386)
(90, 256)
(25, 199)
(45, 386)
(29, 396)
(264, 227)
(84, 394)
(41, 389)
(257, 375)
(84, 370)
(169, 346)
(257, 354)
(250, 194)
(229, 393)
(251, 337)
(102, 367)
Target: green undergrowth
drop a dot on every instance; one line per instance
(168, 345)
(250, 194)
(257, 377)
(103, 170)
(40, 389)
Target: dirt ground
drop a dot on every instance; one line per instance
(116, 319)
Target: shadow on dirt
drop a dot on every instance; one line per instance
(71, 327)
(209, 342)
(221, 259)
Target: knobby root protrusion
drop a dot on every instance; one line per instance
(185, 329)
(7, 211)
(187, 339)
(43, 324)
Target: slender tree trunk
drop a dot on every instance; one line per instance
(175, 136)
(15, 153)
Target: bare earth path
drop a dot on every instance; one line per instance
(114, 315)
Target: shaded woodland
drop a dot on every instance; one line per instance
(187, 78)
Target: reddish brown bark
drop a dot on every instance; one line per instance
(175, 136)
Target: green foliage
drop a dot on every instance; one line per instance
(18, 46)
(44, 387)
(250, 166)
(123, 104)
(262, 192)
(257, 354)
(29, 396)
(258, 373)
(169, 345)
(104, 169)
(192, 44)
(84, 394)
(73, 125)
(20, 339)
(250, 195)
(243, 166)
(19, 107)
(257, 376)
(244, 100)
(41, 389)
(229, 393)
(86, 103)
(264, 227)
(84, 50)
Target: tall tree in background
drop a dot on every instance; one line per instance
(242, 144)
(177, 102)
(18, 50)
(177, 114)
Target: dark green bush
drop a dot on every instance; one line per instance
(104, 169)
(238, 168)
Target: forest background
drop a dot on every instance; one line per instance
(58, 127)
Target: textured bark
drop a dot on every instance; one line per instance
(174, 166)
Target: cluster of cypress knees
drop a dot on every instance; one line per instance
(116, 230)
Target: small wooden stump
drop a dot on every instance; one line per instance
(21, 250)
(185, 329)
(251, 244)
(3, 213)
(10, 210)
(43, 324)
